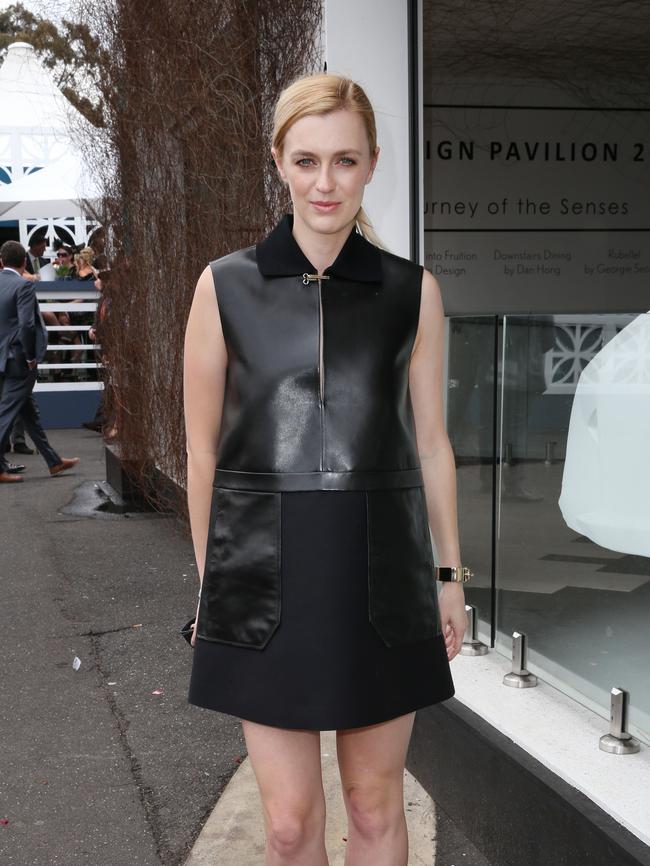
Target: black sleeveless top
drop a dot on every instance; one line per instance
(316, 397)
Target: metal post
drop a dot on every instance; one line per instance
(471, 646)
(618, 741)
(507, 454)
(549, 459)
(519, 677)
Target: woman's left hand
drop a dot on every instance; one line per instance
(451, 602)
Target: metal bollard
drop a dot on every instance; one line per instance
(519, 677)
(471, 646)
(549, 459)
(618, 741)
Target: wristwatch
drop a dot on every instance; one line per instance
(452, 573)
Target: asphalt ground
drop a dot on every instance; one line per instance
(104, 761)
(95, 767)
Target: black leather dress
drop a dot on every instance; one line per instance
(319, 606)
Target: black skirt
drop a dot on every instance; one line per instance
(325, 667)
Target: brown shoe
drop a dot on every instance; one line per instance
(66, 463)
(8, 477)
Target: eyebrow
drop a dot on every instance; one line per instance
(295, 153)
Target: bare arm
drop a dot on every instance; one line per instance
(436, 455)
(204, 375)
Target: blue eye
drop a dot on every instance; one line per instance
(346, 160)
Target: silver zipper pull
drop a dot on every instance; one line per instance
(307, 277)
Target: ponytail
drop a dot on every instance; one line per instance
(366, 228)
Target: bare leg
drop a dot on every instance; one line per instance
(371, 763)
(287, 766)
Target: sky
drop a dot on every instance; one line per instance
(52, 9)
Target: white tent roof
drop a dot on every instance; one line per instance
(36, 129)
(30, 98)
(54, 191)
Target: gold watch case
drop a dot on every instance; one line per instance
(452, 573)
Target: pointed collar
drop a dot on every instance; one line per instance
(280, 255)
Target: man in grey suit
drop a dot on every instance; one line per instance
(33, 264)
(23, 342)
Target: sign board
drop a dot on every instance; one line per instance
(538, 209)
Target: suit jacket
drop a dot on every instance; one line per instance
(22, 330)
(29, 267)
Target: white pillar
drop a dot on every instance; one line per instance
(368, 41)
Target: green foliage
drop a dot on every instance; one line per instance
(70, 50)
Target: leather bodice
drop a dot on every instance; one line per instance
(284, 411)
(316, 397)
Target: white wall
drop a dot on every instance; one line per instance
(367, 40)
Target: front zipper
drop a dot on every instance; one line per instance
(321, 367)
(306, 278)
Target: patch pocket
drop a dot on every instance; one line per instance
(402, 596)
(241, 598)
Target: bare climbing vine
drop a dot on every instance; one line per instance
(188, 91)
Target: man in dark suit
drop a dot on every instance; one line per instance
(23, 343)
(35, 258)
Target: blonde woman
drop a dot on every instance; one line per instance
(317, 459)
(83, 265)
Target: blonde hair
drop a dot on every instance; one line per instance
(86, 255)
(322, 93)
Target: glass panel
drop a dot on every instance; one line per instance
(573, 525)
(473, 343)
(535, 192)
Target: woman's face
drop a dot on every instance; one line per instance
(326, 159)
